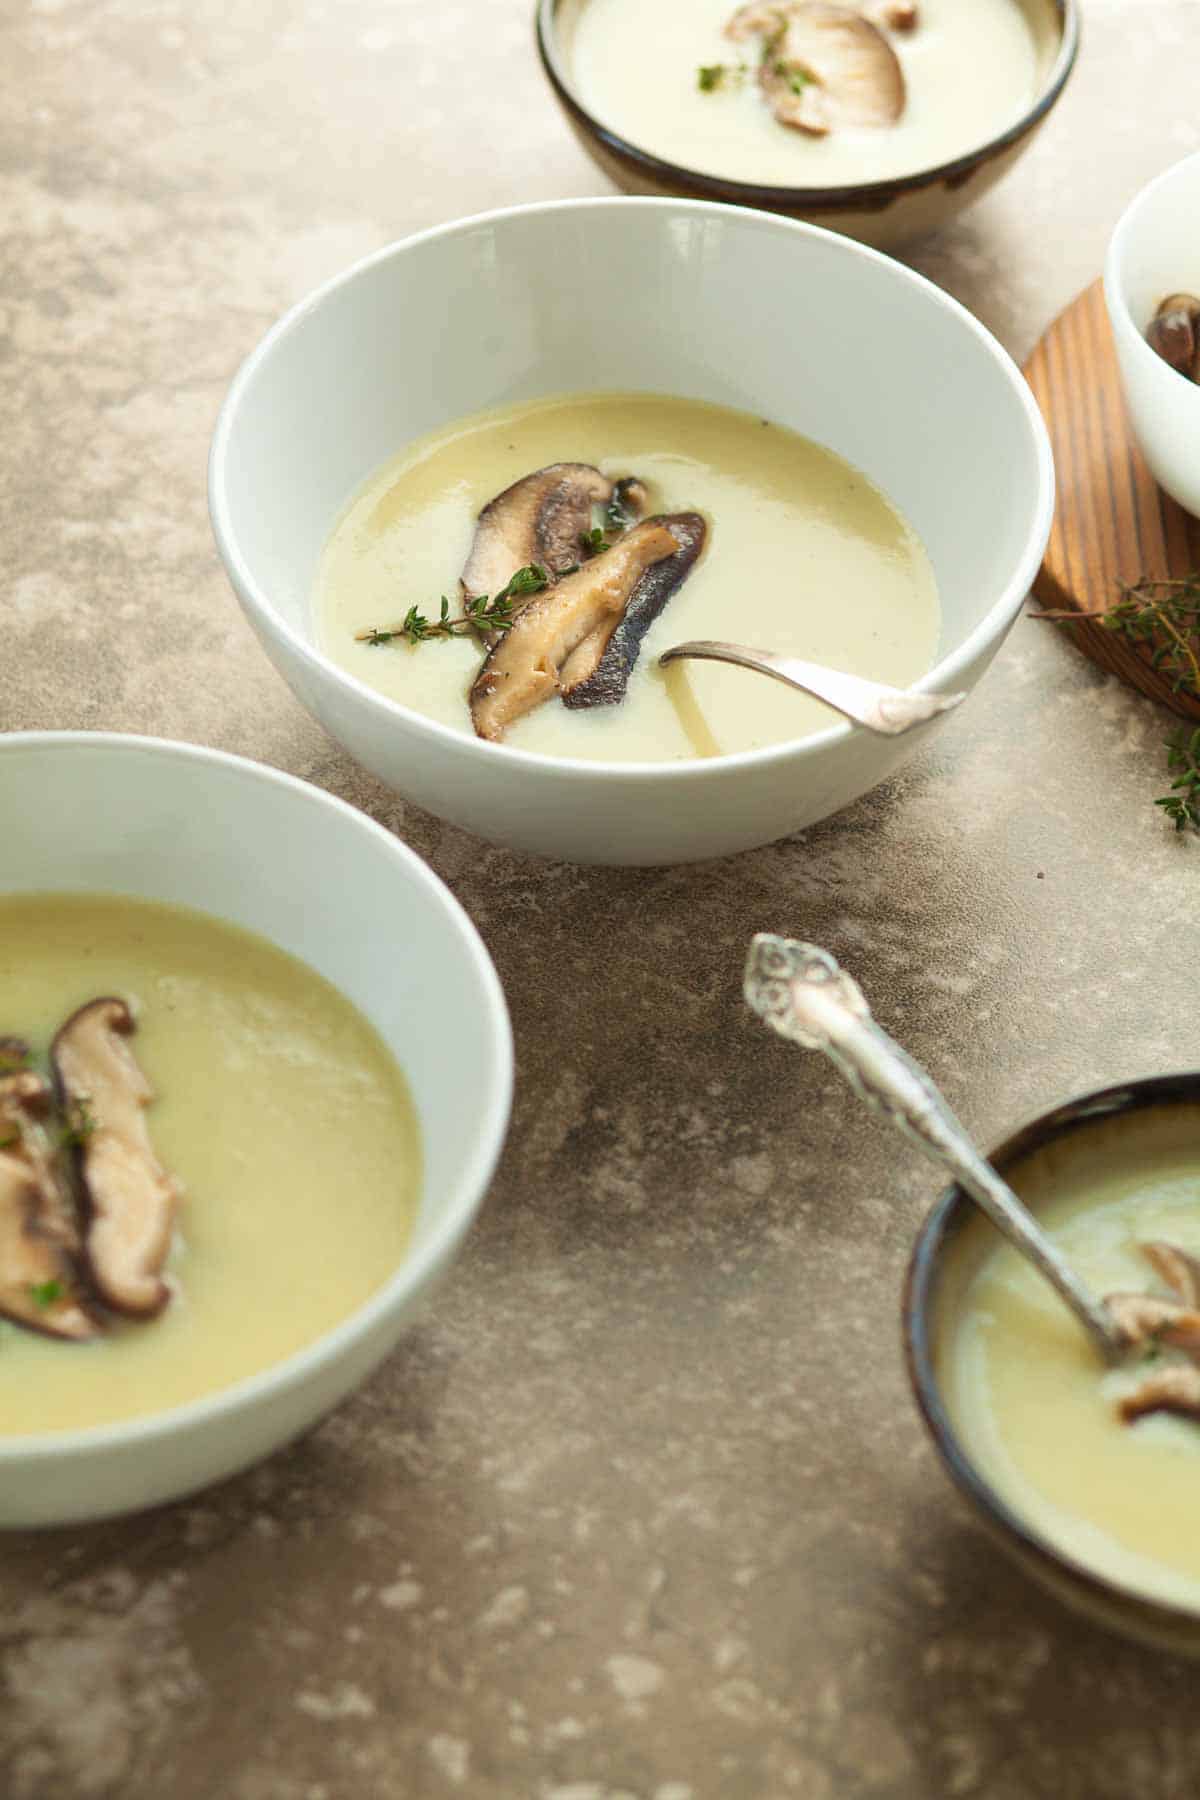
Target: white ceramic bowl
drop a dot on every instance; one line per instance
(1155, 251)
(681, 297)
(168, 822)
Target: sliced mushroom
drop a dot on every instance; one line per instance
(597, 673)
(39, 1243)
(1145, 1318)
(525, 668)
(539, 519)
(1180, 1271)
(1173, 1390)
(1174, 333)
(129, 1201)
(823, 66)
(629, 501)
(895, 15)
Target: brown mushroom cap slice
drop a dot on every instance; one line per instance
(597, 672)
(823, 66)
(129, 1200)
(1175, 1267)
(38, 1240)
(1174, 334)
(539, 519)
(525, 667)
(1173, 1390)
(1147, 1318)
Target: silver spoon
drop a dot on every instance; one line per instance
(803, 994)
(885, 709)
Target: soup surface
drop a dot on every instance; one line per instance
(970, 67)
(803, 555)
(1032, 1405)
(278, 1107)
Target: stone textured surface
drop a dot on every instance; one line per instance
(642, 1511)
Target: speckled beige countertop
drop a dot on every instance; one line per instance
(642, 1510)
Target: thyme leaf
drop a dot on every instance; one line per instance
(45, 1293)
(711, 76)
(81, 1120)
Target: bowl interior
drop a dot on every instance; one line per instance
(675, 297)
(1053, 25)
(1156, 249)
(166, 823)
(952, 1243)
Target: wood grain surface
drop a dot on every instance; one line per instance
(1112, 523)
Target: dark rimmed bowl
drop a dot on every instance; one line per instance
(1104, 1601)
(882, 213)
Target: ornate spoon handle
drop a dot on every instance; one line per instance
(803, 994)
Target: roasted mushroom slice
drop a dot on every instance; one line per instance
(539, 519)
(38, 1240)
(823, 66)
(1180, 1271)
(128, 1199)
(525, 668)
(1174, 334)
(627, 504)
(597, 673)
(1149, 1319)
(1173, 1390)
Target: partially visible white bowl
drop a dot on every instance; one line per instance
(103, 814)
(671, 296)
(1155, 251)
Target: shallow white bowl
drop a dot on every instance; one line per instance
(1155, 251)
(672, 296)
(102, 814)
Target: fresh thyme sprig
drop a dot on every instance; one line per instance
(479, 613)
(1163, 619)
(45, 1293)
(1182, 804)
(594, 541)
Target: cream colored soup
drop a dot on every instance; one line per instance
(971, 69)
(803, 555)
(1034, 1408)
(279, 1108)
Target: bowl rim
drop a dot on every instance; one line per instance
(1117, 305)
(865, 196)
(943, 677)
(416, 1265)
(949, 1214)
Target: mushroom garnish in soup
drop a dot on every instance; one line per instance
(804, 93)
(451, 585)
(203, 1167)
(1105, 1465)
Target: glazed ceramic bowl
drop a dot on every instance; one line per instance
(669, 296)
(883, 213)
(942, 1264)
(172, 823)
(1154, 251)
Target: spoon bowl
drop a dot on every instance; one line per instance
(887, 710)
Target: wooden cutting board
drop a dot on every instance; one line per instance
(1112, 523)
